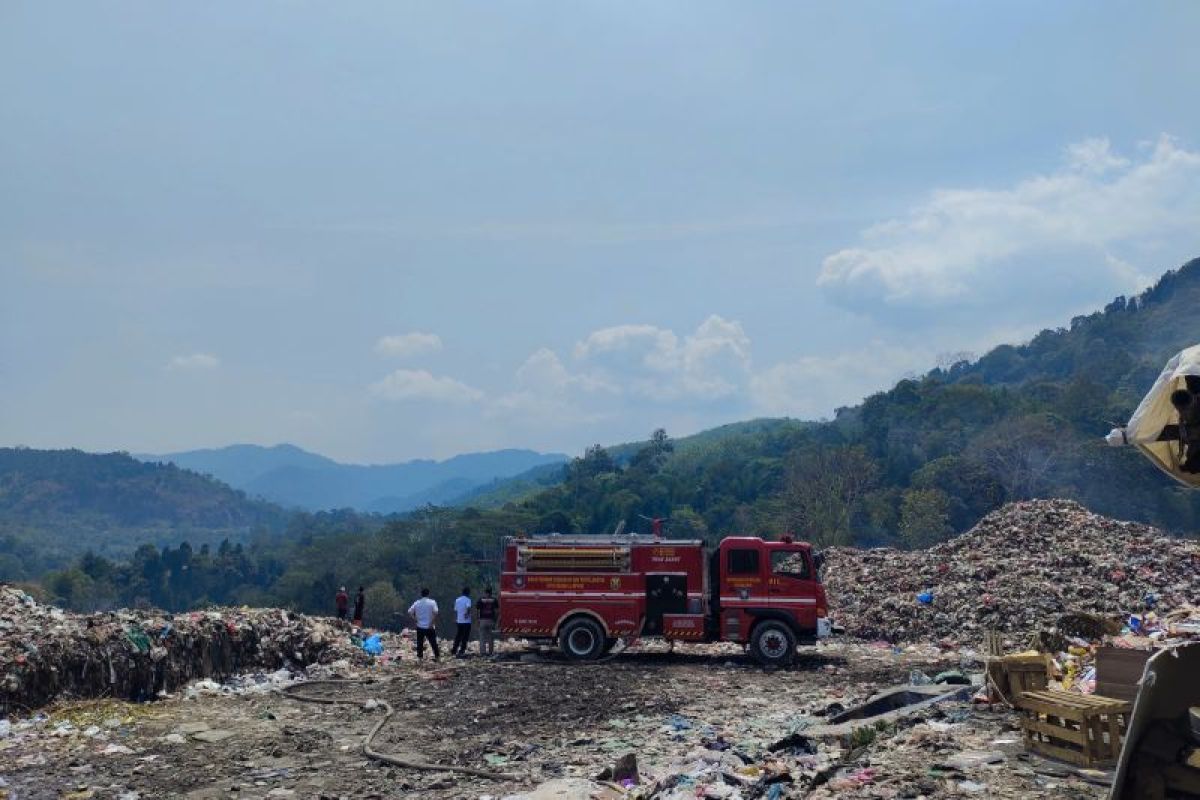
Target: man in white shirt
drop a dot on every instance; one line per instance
(425, 612)
(462, 616)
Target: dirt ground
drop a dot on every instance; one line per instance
(701, 722)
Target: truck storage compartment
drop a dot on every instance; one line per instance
(683, 626)
(666, 593)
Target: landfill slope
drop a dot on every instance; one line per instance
(47, 652)
(1018, 571)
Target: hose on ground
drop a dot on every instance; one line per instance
(389, 712)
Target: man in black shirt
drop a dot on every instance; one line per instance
(488, 609)
(359, 601)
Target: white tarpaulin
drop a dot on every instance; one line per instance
(1160, 429)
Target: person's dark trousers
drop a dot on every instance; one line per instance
(461, 639)
(429, 634)
(341, 613)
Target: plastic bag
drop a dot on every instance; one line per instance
(373, 644)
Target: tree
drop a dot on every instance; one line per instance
(685, 523)
(1022, 453)
(555, 522)
(824, 486)
(654, 455)
(595, 461)
(924, 517)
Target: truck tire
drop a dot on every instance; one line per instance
(609, 644)
(772, 643)
(581, 639)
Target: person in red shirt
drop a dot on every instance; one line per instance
(343, 603)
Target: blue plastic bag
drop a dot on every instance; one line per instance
(373, 644)
(925, 597)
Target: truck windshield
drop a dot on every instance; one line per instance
(791, 565)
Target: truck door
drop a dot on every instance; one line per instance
(743, 587)
(792, 585)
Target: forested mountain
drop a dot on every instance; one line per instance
(694, 448)
(295, 478)
(910, 465)
(928, 457)
(57, 504)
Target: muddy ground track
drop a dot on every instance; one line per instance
(544, 715)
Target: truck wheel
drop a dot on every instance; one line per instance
(582, 639)
(609, 644)
(772, 644)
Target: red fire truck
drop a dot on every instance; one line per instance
(589, 591)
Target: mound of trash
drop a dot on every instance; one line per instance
(1019, 570)
(46, 652)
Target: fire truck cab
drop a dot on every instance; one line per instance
(587, 592)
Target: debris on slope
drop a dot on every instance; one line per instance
(1018, 570)
(46, 652)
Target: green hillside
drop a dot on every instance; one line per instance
(57, 504)
(928, 457)
(686, 454)
(910, 466)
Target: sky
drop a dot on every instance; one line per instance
(384, 230)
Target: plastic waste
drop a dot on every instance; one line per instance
(373, 644)
(138, 638)
(679, 723)
(953, 677)
(925, 597)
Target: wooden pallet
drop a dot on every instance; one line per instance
(1077, 728)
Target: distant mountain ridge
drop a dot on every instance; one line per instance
(296, 478)
(57, 504)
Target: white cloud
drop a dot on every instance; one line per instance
(548, 394)
(543, 371)
(419, 384)
(959, 244)
(614, 372)
(811, 387)
(653, 362)
(1094, 155)
(408, 344)
(195, 361)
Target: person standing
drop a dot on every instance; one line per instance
(360, 600)
(425, 612)
(342, 601)
(488, 612)
(462, 616)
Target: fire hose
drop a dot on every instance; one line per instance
(389, 712)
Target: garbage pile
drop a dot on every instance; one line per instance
(1020, 570)
(137, 655)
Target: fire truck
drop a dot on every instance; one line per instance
(589, 592)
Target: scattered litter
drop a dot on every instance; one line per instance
(140, 654)
(1018, 570)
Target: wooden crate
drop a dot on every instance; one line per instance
(1026, 673)
(1077, 728)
